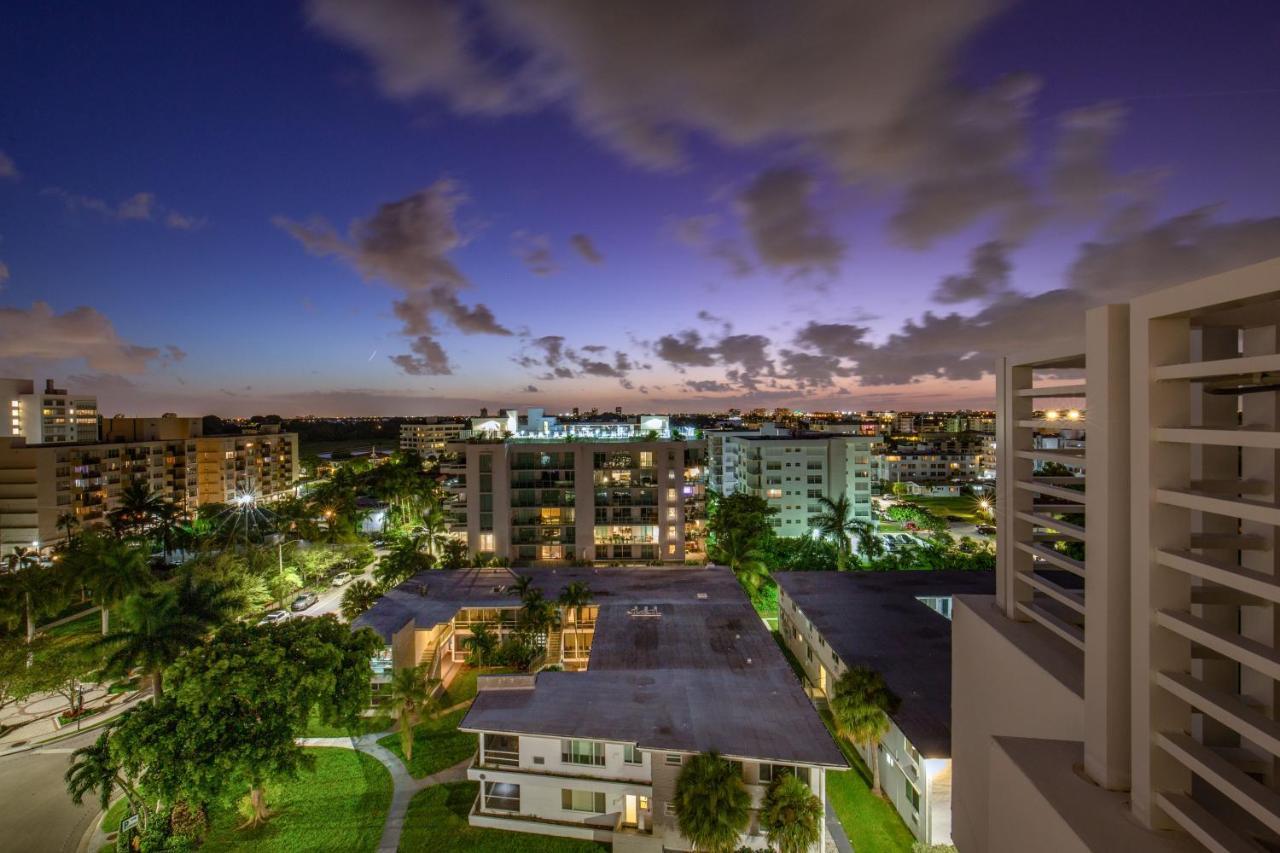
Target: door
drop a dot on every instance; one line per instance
(630, 811)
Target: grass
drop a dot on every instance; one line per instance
(90, 623)
(341, 806)
(463, 686)
(111, 820)
(437, 744)
(963, 506)
(364, 726)
(437, 821)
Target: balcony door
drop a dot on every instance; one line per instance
(630, 810)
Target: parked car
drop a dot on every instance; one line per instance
(341, 578)
(987, 529)
(304, 601)
(274, 617)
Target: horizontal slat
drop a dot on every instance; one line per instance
(1073, 458)
(1237, 577)
(1251, 795)
(1078, 390)
(1069, 509)
(1072, 530)
(1240, 649)
(1063, 422)
(1229, 542)
(1266, 512)
(1217, 369)
(1070, 598)
(1052, 557)
(1223, 707)
(1237, 437)
(1215, 835)
(1042, 487)
(1231, 487)
(1071, 633)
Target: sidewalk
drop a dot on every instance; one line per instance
(39, 730)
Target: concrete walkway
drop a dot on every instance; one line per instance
(836, 837)
(404, 786)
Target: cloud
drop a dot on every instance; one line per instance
(697, 233)
(406, 244)
(988, 276)
(83, 332)
(586, 248)
(869, 87)
(139, 207)
(1080, 178)
(183, 222)
(561, 362)
(8, 169)
(531, 389)
(4, 274)
(784, 228)
(745, 357)
(534, 251)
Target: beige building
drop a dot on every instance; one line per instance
(430, 439)
(557, 501)
(1123, 696)
(52, 416)
(667, 663)
(39, 484)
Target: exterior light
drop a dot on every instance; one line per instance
(243, 500)
(1073, 415)
(1051, 415)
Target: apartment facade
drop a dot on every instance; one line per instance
(1125, 696)
(560, 501)
(52, 416)
(791, 472)
(430, 438)
(932, 465)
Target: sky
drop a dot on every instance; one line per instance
(409, 208)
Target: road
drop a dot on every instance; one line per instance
(38, 816)
(331, 599)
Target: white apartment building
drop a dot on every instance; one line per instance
(791, 471)
(926, 464)
(49, 417)
(1129, 700)
(430, 438)
(895, 623)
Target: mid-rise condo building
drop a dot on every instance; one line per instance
(430, 438)
(1120, 690)
(53, 416)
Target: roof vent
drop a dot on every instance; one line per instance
(644, 611)
(422, 590)
(702, 596)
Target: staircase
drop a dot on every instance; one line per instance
(554, 647)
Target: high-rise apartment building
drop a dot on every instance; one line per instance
(793, 470)
(53, 416)
(1121, 691)
(430, 438)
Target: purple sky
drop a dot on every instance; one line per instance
(402, 207)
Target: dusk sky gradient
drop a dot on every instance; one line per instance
(687, 208)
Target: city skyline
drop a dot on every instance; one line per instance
(408, 209)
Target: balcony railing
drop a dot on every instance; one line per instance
(501, 758)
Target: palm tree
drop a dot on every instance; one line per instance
(94, 770)
(870, 545)
(112, 570)
(138, 505)
(434, 527)
(403, 562)
(836, 521)
(454, 554)
(537, 614)
(575, 596)
(739, 549)
(409, 695)
(30, 590)
(522, 587)
(712, 803)
(168, 522)
(359, 597)
(481, 645)
(791, 815)
(861, 703)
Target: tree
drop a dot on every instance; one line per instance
(454, 555)
(97, 769)
(742, 512)
(791, 815)
(574, 597)
(861, 703)
(138, 507)
(68, 664)
(434, 527)
(481, 645)
(712, 803)
(522, 586)
(17, 680)
(403, 562)
(358, 597)
(409, 696)
(740, 550)
(30, 591)
(111, 569)
(836, 521)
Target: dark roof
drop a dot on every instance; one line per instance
(703, 674)
(875, 619)
(445, 592)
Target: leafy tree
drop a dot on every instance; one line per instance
(519, 650)
(138, 508)
(522, 586)
(482, 645)
(712, 803)
(111, 569)
(96, 769)
(454, 555)
(30, 591)
(799, 554)
(69, 663)
(747, 514)
(409, 696)
(742, 551)
(861, 703)
(403, 562)
(359, 596)
(17, 679)
(791, 815)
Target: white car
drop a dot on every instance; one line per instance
(274, 617)
(341, 578)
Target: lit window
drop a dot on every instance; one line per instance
(487, 543)
(572, 800)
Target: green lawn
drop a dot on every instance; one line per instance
(437, 821)
(463, 686)
(111, 822)
(872, 824)
(90, 623)
(341, 806)
(963, 506)
(437, 744)
(365, 726)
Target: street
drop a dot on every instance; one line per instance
(331, 598)
(38, 816)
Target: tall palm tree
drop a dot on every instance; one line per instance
(30, 591)
(522, 586)
(434, 527)
(481, 645)
(538, 614)
(837, 522)
(358, 597)
(111, 569)
(791, 816)
(739, 549)
(138, 506)
(861, 703)
(95, 770)
(712, 803)
(574, 597)
(168, 520)
(409, 696)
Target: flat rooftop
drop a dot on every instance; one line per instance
(680, 661)
(876, 620)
